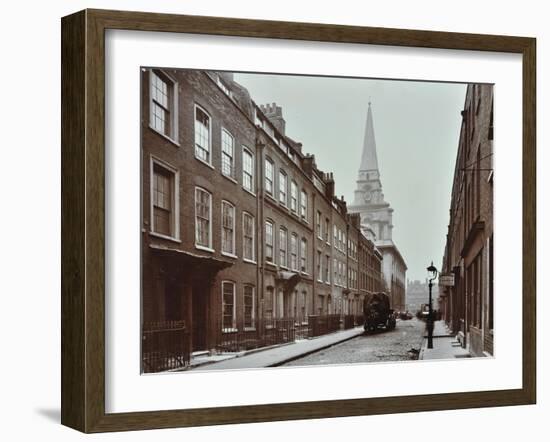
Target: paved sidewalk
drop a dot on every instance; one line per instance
(279, 355)
(445, 345)
(440, 330)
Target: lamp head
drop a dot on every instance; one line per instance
(432, 271)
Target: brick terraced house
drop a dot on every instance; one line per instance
(244, 243)
(467, 306)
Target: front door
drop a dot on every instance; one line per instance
(173, 310)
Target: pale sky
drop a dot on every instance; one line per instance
(416, 125)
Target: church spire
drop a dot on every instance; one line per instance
(369, 160)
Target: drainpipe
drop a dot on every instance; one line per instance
(314, 253)
(260, 161)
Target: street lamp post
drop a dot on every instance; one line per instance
(432, 274)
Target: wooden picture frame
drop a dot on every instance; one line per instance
(83, 220)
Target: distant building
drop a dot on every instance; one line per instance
(376, 217)
(418, 295)
(467, 306)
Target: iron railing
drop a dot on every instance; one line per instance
(322, 325)
(274, 331)
(264, 333)
(165, 346)
(348, 321)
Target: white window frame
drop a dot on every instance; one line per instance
(294, 196)
(272, 224)
(294, 266)
(320, 265)
(253, 260)
(202, 109)
(284, 200)
(252, 174)
(173, 136)
(319, 224)
(303, 204)
(233, 327)
(208, 248)
(272, 165)
(303, 255)
(232, 173)
(285, 263)
(176, 199)
(233, 253)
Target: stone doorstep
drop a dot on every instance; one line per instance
(200, 353)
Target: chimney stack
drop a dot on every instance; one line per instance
(329, 185)
(309, 164)
(274, 114)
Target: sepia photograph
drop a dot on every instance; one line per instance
(294, 221)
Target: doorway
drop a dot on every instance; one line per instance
(199, 318)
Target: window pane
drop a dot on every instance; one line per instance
(248, 306)
(294, 252)
(303, 205)
(162, 200)
(202, 218)
(269, 176)
(228, 228)
(293, 196)
(227, 154)
(282, 187)
(161, 103)
(269, 241)
(248, 237)
(303, 255)
(202, 135)
(248, 170)
(228, 291)
(282, 247)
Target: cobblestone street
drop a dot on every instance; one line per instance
(394, 345)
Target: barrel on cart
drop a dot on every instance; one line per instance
(377, 313)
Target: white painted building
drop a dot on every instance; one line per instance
(376, 217)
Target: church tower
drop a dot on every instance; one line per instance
(376, 217)
(376, 213)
